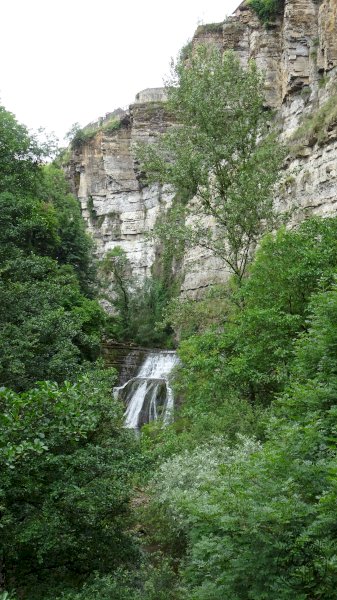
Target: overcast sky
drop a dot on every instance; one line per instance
(72, 61)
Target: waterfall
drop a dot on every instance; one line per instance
(148, 396)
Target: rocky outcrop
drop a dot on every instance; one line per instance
(327, 41)
(298, 54)
(118, 209)
(125, 358)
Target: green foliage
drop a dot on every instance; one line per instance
(137, 306)
(195, 317)
(49, 326)
(111, 125)
(66, 466)
(254, 521)
(250, 355)
(79, 136)
(75, 246)
(108, 587)
(147, 306)
(115, 268)
(153, 581)
(49, 329)
(237, 345)
(266, 10)
(20, 156)
(222, 152)
(170, 234)
(27, 224)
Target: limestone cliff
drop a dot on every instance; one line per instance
(298, 53)
(118, 209)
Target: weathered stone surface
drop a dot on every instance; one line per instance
(298, 54)
(327, 41)
(118, 209)
(151, 95)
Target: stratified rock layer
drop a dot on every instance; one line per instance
(298, 54)
(118, 209)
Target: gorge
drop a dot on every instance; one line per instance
(168, 394)
(297, 51)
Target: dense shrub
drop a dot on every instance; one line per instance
(66, 467)
(50, 326)
(265, 9)
(260, 523)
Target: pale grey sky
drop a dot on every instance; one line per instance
(75, 60)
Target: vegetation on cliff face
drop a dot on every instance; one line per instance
(316, 127)
(80, 135)
(265, 9)
(136, 306)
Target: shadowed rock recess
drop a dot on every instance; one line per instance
(298, 54)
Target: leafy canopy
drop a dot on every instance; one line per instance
(49, 323)
(66, 466)
(20, 156)
(252, 521)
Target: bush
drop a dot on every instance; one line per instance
(265, 9)
(259, 521)
(79, 136)
(66, 467)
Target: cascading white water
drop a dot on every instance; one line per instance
(148, 396)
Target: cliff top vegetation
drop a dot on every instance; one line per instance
(266, 10)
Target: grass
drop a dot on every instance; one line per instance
(210, 28)
(323, 81)
(112, 125)
(316, 126)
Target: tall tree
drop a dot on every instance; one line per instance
(49, 324)
(20, 155)
(222, 152)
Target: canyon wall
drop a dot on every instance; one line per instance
(298, 54)
(118, 209)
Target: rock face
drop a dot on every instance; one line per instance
(118, 209)
(298, 53)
